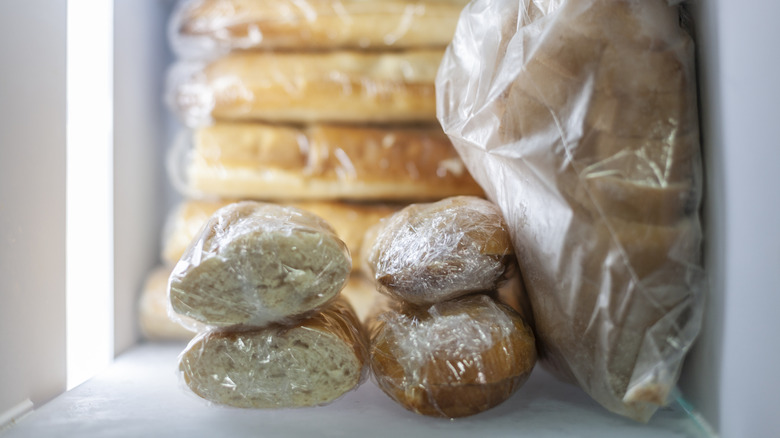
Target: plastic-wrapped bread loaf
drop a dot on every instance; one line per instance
(203, 28)
(579, 119)
(253, 264)
(452, 359)
(432, 252)
(320, 162)
(349, 220)
(294, 87)
(309, 363)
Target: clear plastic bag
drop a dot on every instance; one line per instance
(210, 28)
(579, 119)
(318, 162)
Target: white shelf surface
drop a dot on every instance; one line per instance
(141, 395)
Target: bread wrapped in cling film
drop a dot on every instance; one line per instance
(349, 220)
(254, 264)
(311, 362)
(153, 318)
(210, 28)
(432, 252)
(579, 119)
(451, 359)
(319, 162)
(292, 87)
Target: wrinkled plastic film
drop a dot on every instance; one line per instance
(319, 162)
(451, 359)
(578, 118)
(292, 87)
(432, 252)
(312, 362)
(210, 28)
(254, 263)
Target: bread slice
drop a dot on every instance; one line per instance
(433, 252)
(255, 263)
(349, 220)
(339, 86)
(452, 359)
(310, 363)
(208, 27)
(153, 318)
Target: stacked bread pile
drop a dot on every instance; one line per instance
(324, 105)
(262, 281)
(442, 344)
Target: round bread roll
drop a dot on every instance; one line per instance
(311, 363)
(256, 263)
(427, 253)
(452, 359)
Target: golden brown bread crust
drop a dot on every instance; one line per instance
(320, 162)
(454, 359)
(225, 25)
(349, 221)
(312, 362)
(432, 252)
(341, 86)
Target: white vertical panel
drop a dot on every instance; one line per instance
(89, 235)
(32, 201)
(140, 140)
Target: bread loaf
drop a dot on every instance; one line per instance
(323, 162)
(255, 263)
(312, 362)
(209, 27)
(432, 252)
(451, 359)
(340, 86)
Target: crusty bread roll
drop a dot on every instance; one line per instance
(589, 144)
(452, 359)
(209, 27)
(349, 220)
(428, 253)
(255, 263)
(310, 363)
(341, 86)
(153, 318)
(323, 162)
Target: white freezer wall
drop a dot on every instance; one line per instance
(729, 374)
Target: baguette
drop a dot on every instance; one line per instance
(452, 359)
(216, 27)
(340, 86)
(255, 264)
(324, 162)
(311, 363)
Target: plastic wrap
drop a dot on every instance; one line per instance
(451, 359)
(433, 252)
(209, 28)
(579, 119)
(339, 86)
(253, 264)
(349, 220)
(318, 162)
(310, 363)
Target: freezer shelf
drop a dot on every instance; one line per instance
(140, 394)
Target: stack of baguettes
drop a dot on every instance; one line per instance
(325, 105)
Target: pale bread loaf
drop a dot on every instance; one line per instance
(312, 362)
(255, 263)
